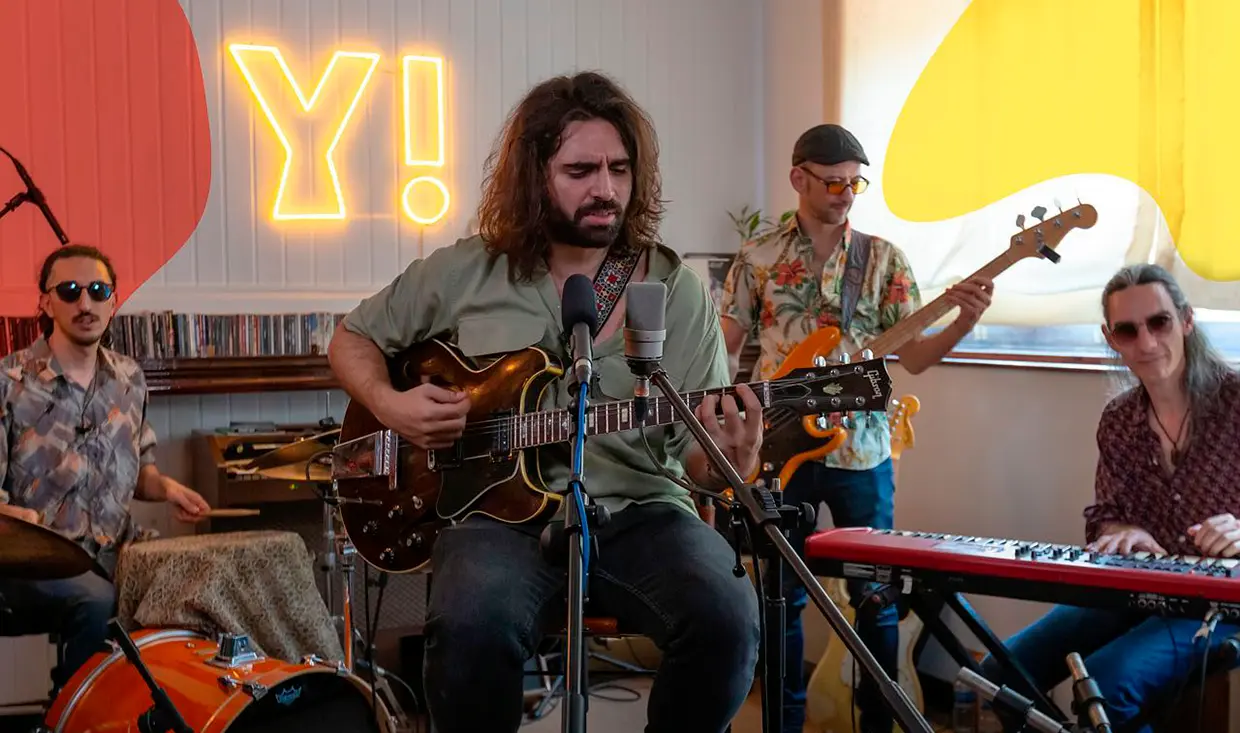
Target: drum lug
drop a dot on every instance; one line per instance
(314, 660)
(234, 650)
(254, 689)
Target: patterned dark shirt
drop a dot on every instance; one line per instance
(77, 467)
(1133, 488)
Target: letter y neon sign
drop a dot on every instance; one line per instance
(310, 131)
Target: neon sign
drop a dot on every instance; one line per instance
(318, 122)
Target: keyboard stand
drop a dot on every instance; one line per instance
(928, 604)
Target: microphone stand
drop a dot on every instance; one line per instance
(163, 716)
(762, 512)
(579, 522)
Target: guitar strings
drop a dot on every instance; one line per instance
(493, 426)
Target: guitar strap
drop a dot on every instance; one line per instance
(854, 275)
(612, 278)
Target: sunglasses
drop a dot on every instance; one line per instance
(835, 188)
(1126, 332)
(69, 291)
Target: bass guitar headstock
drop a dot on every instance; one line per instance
(863, 386)
(900, 420)
(1042, 239)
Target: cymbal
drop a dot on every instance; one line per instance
(296, 453)
(32, 552)
(297, 472)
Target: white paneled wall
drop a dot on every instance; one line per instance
(694, 65)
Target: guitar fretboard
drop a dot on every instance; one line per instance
(556, 426)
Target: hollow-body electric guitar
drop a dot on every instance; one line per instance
(395, 497)
(791, 439)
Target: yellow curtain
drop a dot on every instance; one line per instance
(1020, 94)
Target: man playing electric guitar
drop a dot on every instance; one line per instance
(574, 189)
(817, 271)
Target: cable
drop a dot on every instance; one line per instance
(578, 463)
(1205, 659)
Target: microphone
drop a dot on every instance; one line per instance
(579, 313)
(1009, 699)
(1087, 697)
(644, 333)
(35, 196)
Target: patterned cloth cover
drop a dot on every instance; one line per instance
(259, 583)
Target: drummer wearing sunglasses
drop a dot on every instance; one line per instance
(75, 450)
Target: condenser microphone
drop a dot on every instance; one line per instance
(1007, 698)
(1087, 698)
(579, 313)
(644, 333)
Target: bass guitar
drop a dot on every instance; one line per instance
(395, 497)
(791, 439)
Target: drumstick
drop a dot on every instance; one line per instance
(231, 513)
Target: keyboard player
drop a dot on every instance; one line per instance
(1169, 458)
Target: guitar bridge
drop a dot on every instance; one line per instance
(369, 456)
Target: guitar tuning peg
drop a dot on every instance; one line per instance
(1039, 213)
(866, 354)
(1058, 205)
(1020, 221)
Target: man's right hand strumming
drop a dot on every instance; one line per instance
(1123, 539)
(26, 515)
(429, 416)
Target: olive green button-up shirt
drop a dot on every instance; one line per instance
(459, 294)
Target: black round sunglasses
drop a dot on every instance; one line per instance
(70, 290)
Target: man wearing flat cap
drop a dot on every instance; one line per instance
(818, 271)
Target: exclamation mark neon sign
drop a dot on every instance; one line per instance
(425, 197)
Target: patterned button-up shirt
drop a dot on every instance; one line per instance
(77, 465)
(1132, 486)
(771, 292)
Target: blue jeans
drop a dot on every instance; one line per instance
(78, 609)
(855, 499)
(1138, 661)
(660, 571)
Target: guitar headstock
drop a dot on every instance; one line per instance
(900, 420)
(863, 386)
(1042, 239)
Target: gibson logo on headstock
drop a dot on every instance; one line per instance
(876, 380)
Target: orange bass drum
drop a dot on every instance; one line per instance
(244, 694)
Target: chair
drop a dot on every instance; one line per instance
(1179, 712)
(596, 627)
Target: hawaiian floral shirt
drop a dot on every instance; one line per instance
(771, 292)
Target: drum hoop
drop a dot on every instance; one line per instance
(115, 656)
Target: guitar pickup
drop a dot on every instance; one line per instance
(501, 444)
(442, 459)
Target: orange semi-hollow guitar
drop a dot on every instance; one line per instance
(790, 440)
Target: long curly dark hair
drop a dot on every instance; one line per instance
(515, 199)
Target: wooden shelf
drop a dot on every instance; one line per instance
(231, 375)
(238, 374)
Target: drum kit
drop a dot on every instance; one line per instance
(176, 679)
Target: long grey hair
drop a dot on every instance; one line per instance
(1205, 368)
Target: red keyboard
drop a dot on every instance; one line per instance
(1175, 585)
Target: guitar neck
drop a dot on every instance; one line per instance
(909, 328)
(556, 426)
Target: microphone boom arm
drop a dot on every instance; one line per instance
(763, 512)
